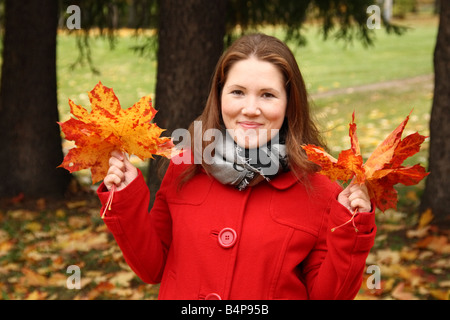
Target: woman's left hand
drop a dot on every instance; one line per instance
(355, 196)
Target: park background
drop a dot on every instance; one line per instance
(382, 80)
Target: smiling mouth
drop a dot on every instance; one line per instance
(249, 124)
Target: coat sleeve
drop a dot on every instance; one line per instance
(334, 268)
(143, 237)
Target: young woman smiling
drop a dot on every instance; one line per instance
(255, 220)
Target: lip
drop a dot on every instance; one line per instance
(249, 124)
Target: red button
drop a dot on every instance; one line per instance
(227, 237)
(213, 296)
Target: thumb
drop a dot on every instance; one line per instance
(343, 196)
(346, 192)
(126, 162)
(129, 167)
(347, 189)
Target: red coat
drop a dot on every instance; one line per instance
(270, 241)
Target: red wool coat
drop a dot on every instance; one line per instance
(212, 241)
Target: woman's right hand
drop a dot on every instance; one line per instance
(121, 172)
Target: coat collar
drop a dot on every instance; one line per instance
(284, 180)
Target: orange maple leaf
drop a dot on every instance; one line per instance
(108, 127)
(382, 170)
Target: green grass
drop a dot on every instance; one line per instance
(131, 75)
(377, 114)
(331, 64)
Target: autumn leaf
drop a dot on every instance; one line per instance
(425, 218)
(108, 127)
(382, 170)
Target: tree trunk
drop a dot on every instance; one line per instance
(30, 140)
(436, 195)
(191, 34)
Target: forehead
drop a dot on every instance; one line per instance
(252, 71)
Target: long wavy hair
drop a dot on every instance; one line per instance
(298, 124)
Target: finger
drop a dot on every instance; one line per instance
(359, 191)
(116, 171)
(361, 204)
(346, 191)
(356, 185)
(114, 162)
(117, 154)
(111, 180)
(129, 166)
(359, 194)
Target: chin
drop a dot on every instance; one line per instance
(252, 138)
(250, 142)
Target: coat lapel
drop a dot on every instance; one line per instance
(284, 181)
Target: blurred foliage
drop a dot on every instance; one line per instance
(103, 18)
(342, 19)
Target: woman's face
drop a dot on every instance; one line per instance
(253, 102)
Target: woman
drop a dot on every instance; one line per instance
(252, 218)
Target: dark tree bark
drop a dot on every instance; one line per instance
(30, 140)
(191, 34)
(436, 195)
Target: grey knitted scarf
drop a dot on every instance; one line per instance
(237, 166)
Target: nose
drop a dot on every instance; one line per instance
(251, 107)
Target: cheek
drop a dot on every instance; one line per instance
(228, 109)
(276, 115)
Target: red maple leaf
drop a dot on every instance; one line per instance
(108, 127)
(382, 170)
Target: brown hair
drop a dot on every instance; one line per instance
(300, 127)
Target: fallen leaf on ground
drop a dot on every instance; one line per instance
(32, 278)
(425, 218)
(400, 293)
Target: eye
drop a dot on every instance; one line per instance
(237, 92)
(268, 95)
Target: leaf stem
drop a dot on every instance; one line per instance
(110, 200)
(350, 220)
